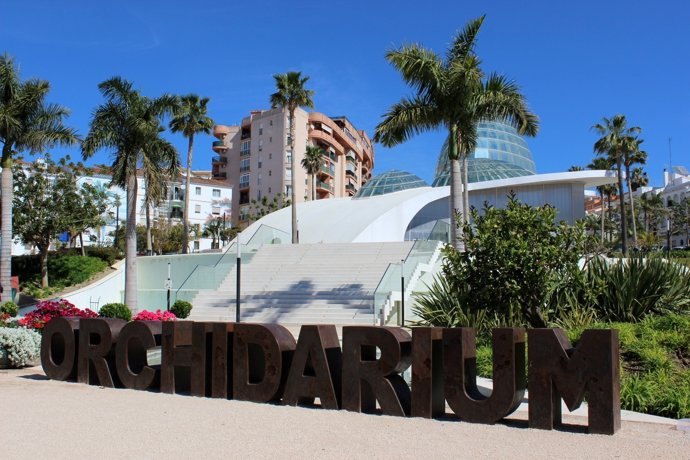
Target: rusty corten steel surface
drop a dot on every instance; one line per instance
(460, 364)
(261, 359)
(367, 379)
(557, 370)
(130, 354)
(96, 357)
(427, 372)
(316, 368)
(221, 359)
(178, 371)
(59, 346)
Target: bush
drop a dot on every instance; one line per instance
(158, 315)
(181, 309)
(10, 308)
(49, 309)
(115, 310)
(22, 346)
(631, 289)
(107, 254)
(71, 270)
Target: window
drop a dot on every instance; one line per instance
(245, 148)
(215, 210)
(261, 144)
(244, 180)
(198, 190)
(288, 174)
(197, 208)
(259, 165)
(269, 172)
(216, 193)
(288, 190)
(269, 189)
(270, 156)
(270, 139)
(244, 165)
(270, 123)
(258, 179)
(258, 195)
(261, 129)
(196, 245)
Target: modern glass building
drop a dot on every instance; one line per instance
(501, 153)
(389, 182)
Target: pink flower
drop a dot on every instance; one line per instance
(158, 315)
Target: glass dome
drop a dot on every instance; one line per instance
(389, 182)
(501, 153)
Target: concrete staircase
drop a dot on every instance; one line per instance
(304, 284)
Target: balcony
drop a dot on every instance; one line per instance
(245, 169)
(220, 131)
(350, 187)
(176, 203)
(219, 146)
(245, 153)
(220, 175)
(244, 185)
(324, 186)
(351, 158)
(219, 159)
(328, 170)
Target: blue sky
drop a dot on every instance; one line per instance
(575, 62)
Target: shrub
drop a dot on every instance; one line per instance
(71, 270)
(637, 287)
(443, 307)
(22, 346)
(10, 308)
(158, 315)
(49, 309)
(107, 254)
(115, 310)
(181, 308)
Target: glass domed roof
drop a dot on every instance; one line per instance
(389, 182)
(501, 153)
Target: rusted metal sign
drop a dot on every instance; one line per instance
(264, 363)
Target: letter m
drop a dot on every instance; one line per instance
(557, 370)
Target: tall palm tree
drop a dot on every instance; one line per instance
(632, 154)
(312, 161)
(130, 124)
(290, 95)
(601, 163)
(190, 117)
(452, 94)
(27, 123)
(615, 141)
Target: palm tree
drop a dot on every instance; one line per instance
(27, 123)
(290, 95)
(601, 163)
(190, 118)
(633, 155)
(453, 94)
(313, 158)
(130, 124)
(615, 141)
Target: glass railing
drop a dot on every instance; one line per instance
(397, 280)
(195, 272)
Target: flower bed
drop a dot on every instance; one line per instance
(158, 315)
(49, 309)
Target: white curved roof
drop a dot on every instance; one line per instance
(386, 217)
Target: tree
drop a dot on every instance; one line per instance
(312, 161)
(47, 202)
(292, 94)
(633, 155)
(264, 206)
(130, 124)
(615, 141)
(599, 164)
(213, 228)
(653, 208)
(27, 124)
(453, 94)
(190, 118)
(515, 259)
(680, 218)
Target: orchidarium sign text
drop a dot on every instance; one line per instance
(264, 363)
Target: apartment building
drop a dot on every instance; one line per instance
(255, 158)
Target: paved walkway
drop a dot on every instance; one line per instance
(49, 419)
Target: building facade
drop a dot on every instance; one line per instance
(255, 158)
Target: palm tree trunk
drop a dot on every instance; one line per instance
(465, 191)
(455, 200)
(621, 200)
(603, 216)
(6, 225)
(43, 251)
(81, 243)
(149, 239)
(131, 245)
(608, 211)
(293, 166)
(187, 186)
(313, 187)
(632, 206)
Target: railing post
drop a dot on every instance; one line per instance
(239, 269)
(402, 292)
